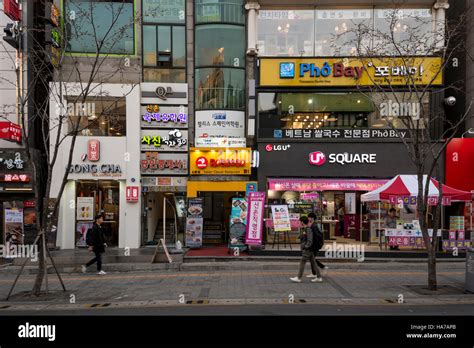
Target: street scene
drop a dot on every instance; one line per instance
(237, 158)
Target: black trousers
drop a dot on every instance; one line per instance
(320, 265)
(98, 259)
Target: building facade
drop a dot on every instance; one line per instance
(199, 88)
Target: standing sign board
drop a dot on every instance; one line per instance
(194, 223)
(13, 226)
(256, 204)
(281, 218)
(85, 209)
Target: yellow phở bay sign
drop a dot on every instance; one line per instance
(320, 72)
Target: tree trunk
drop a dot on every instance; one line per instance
(432, 282)
(41, 269)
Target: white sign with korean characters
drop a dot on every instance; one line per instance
(220, 123)
(164, 163)
(157, 116)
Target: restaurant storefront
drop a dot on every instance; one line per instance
(324, 140)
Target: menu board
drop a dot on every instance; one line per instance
(194, 223)
(281, 218)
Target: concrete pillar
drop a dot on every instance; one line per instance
(252, 7)
(440, 22)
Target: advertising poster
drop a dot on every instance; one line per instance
(82, 228)
(85, 209)
(256, 205)
(350, 203)
(13, 226)
(250, 187)
(281, 218)
(238, 221)
(194, 223)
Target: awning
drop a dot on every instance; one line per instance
(302, 185)
(407, 186)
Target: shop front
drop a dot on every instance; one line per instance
(164, 145)
(104, 175)
(328, 180)
(17, 200)
(219, 179)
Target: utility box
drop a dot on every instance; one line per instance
(469, 287)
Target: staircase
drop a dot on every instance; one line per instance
(170, 232)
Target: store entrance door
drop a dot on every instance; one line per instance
(97, 197)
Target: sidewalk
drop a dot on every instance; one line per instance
(236, 283)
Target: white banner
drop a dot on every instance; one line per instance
(220, 142)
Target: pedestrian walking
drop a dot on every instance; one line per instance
(96, 242)
(315, 229)
(307, 240)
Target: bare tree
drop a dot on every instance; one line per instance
(55, 70)
(405, 57)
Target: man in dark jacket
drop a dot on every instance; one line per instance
(96, 244)
(306, 243)
(315, 229)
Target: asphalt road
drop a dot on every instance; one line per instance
(283, 309)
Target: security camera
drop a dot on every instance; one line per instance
(450, 101)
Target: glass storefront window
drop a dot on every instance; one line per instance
(336, 31)
(220, 88)
(98, 117)
(96, 21)
(228, 11)
(163, 11)
(336, 110)
(285, 33)
(220, 44)
(412, 29)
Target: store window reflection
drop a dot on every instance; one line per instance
(286, 33)
(227, 11)
(337, 31)
(98, 116)
(412, 31)
(220, 88)
(220, 45)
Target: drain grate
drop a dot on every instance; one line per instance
(197, 302)
(98, 305)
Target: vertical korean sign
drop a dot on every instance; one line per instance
(281, 218)
(256, 204)
(194, 223)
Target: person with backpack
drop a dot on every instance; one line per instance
(96, 241)
(320, 243)
(308, 245)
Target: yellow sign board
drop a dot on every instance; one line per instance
(320, 72)
(220, 161)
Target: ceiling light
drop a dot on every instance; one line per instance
(310, 101)
(325, 117)
(358, 101)
(332, 119)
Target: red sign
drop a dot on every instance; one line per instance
(132, 193)
(201, 163)
(317, 158)
(10, 131)
(29, 204)
(93, 150)
(460, 163)
(12, 9)
(14, 178)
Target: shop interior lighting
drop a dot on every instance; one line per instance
(310, 101)
(332, 119)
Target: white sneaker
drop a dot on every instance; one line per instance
(326, 267)
(317, 280)
(295, 280)
(101, 273)
(311, 275)
(84, 268)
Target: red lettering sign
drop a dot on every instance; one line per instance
(93, 150)
(132, 193)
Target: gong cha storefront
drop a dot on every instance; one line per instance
(328, 180)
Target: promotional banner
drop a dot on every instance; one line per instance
(13, 226)
(238, 221)
(254, 229)
(85, 209)
(81, 229)
(281, 218)
(194, 223)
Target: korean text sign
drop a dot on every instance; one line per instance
(254, 228)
